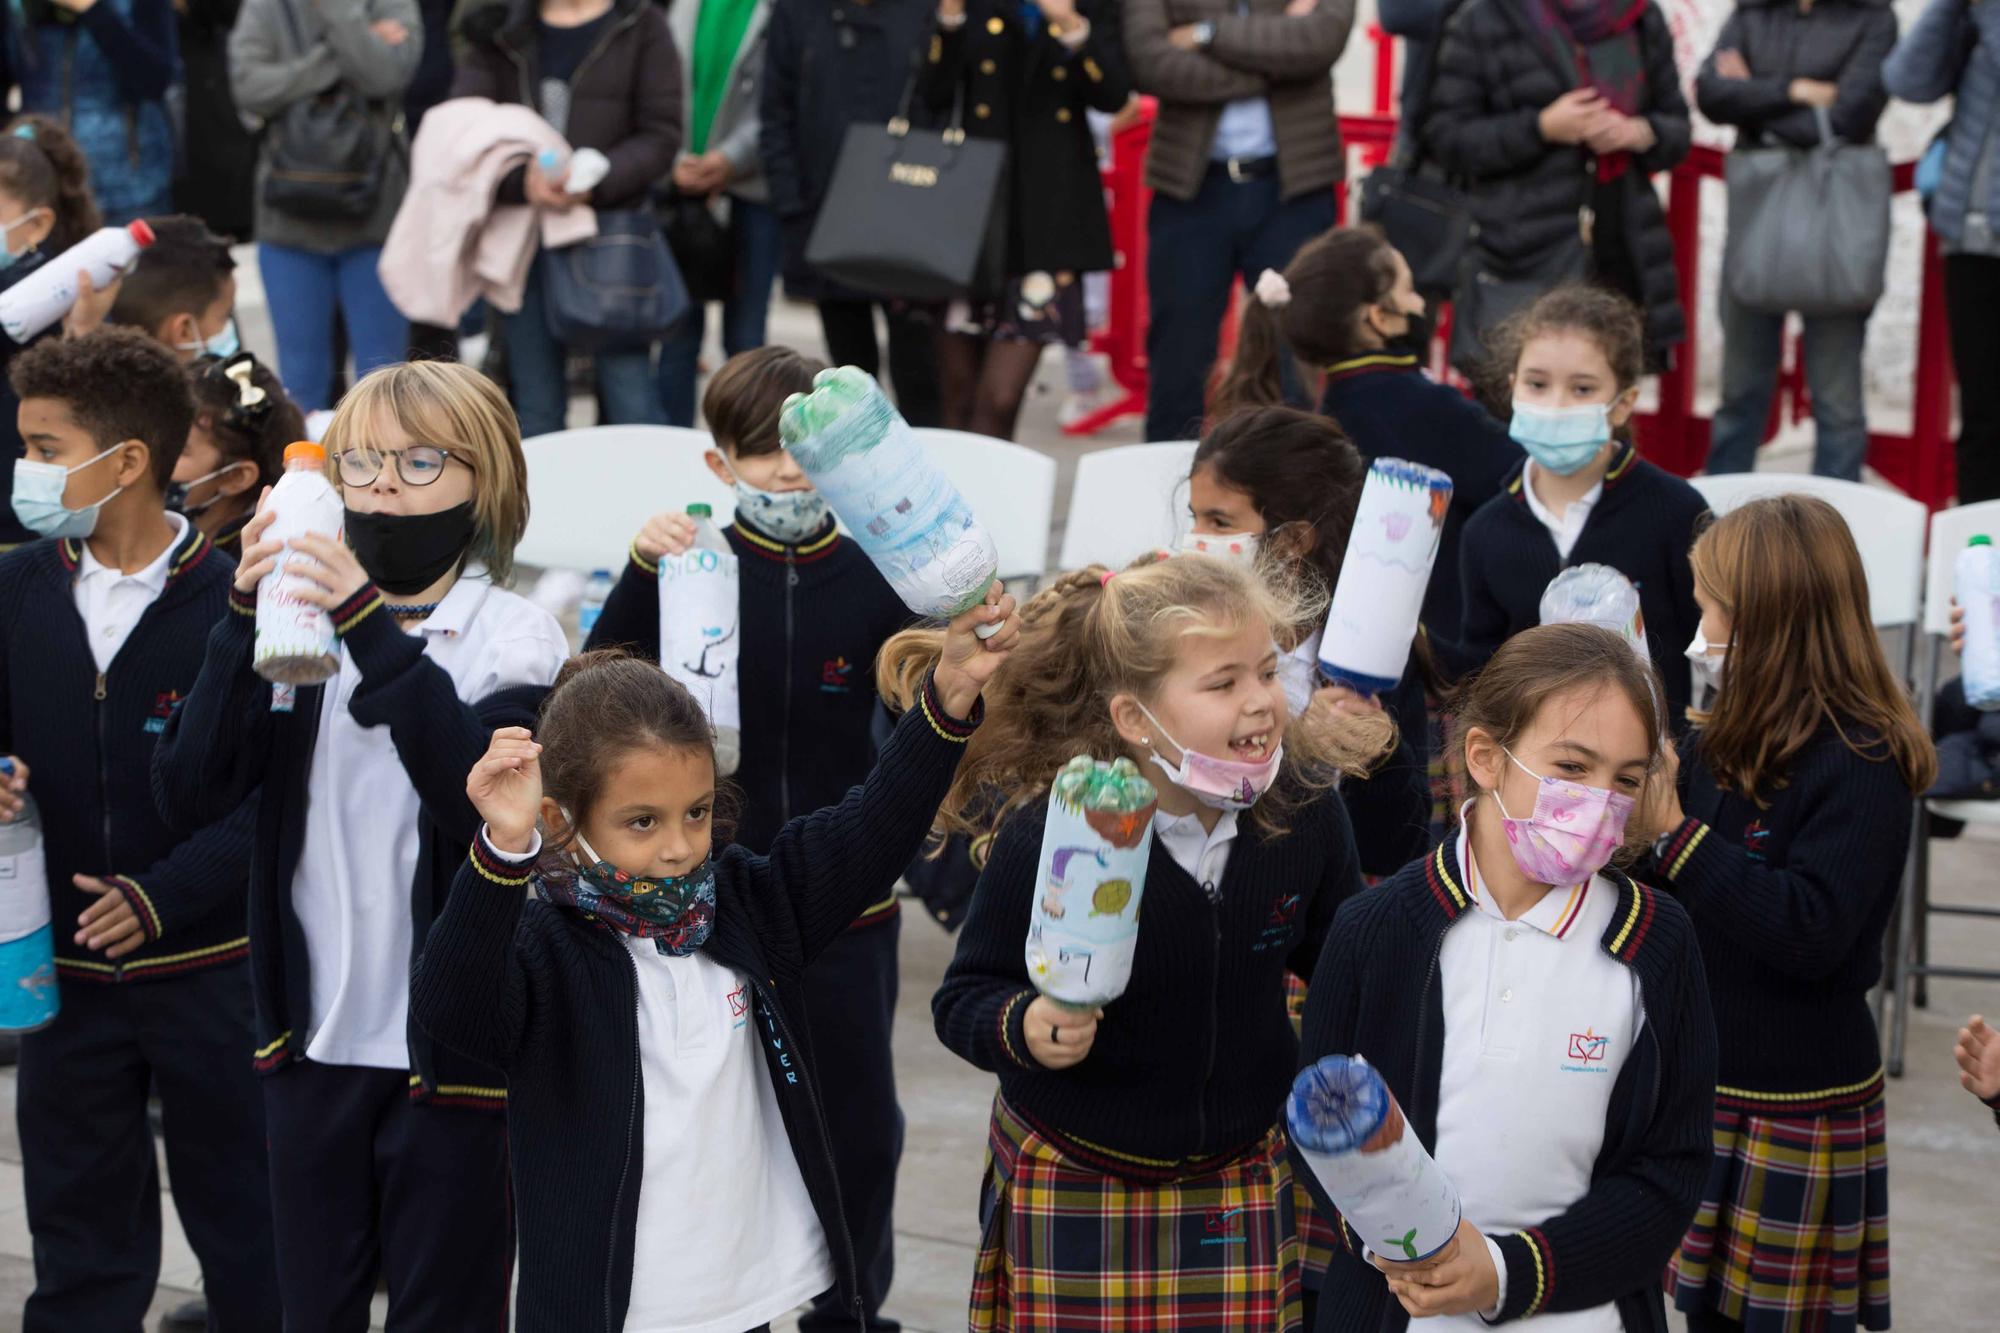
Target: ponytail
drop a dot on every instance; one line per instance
(1255, 376)
(42, 167)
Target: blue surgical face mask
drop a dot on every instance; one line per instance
(38, 498)
(1561, 439)
(8, 254)
(224, 344)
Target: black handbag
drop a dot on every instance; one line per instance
(619, 289)
(913, 214)
(703, 246)
(325, 155)
(1421, 212)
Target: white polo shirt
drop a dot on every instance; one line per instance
(1538, 1020)
(1568, 526)
(352, 887)
(111, 601)
(1203, 853)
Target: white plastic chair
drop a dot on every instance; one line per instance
(1909, 942)
(1010, 486)
(590, 490)
(1888, 529)
(1125, 502)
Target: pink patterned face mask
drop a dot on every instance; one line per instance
(1572, 833)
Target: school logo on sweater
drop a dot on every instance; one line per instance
(163, 709)
(1586, 1053)
(1756, 838)
(833, 676)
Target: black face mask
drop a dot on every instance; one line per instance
(406, 553)
(1414, 341)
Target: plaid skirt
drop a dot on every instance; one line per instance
(1069, 1248)
(1792, 1235)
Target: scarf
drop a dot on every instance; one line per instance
(676, 914)
(1598, 42)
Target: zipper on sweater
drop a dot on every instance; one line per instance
(98, 695)
(785, 734)
(1213, 893)
(631, 1119)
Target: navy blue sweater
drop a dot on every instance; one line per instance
(1642, 526)
(813, 616)
(88, 740)
(551, 997)
(1391, 409)
(235, 740)
(1193, 1061)
(1378, 993)
(1790, 902)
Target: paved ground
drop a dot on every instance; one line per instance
(1944, 1149)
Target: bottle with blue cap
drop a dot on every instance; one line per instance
(1347, 1126)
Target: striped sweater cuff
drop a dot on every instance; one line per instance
(1681, 847)
(352, 613)
(496, 868)
(241, 602)
(650, 568)
(944, 724)
(141, 904)
(1531, 1274)
(1014, 1029)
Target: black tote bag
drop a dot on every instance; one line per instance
(912, 213)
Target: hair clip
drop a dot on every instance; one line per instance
(1272, 289)
(252, 406)
(1106, 577)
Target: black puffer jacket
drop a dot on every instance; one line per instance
(1842, 42)
(1494, 74)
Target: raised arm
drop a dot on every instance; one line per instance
(469, 987)
(213, 753)
(980, 1006)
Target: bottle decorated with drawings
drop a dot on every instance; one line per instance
(1347, 1126)
(1380, 597)
(1097, 840)
(901, 509)
(295, 640)
(29, 996)
(700, 603)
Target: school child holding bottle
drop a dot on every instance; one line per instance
(388, 1152)
(1137, 1177)
(1785, 842)
(242, 422)
(814, 613)
(667, 1110)
(1582, 495)
(1541, 1018)
(1278, 484)
(102, 628)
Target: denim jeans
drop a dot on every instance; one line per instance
(758, 249)
(302, 288)
(1752, 345)
(1196, 249)
(538, 367)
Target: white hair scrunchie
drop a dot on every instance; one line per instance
(1272, 289)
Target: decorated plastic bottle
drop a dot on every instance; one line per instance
(1347, 1126)
(902, 510)
(1380, 595)
(295, 640)
(29, 997)
(1595, 595)
(1976, 585)
(1083, 927)
(700, 608)
(45, 296)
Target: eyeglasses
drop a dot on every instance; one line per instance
(418, 465)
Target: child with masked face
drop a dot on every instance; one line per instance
(387, 1150)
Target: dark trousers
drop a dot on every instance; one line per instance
(87, 1159)
(913, 361)
(364, 1181)
(851, 992)
(1972, 305)
(1195, 251)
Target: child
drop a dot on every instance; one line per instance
(1346, 305)
(815, 611)
(182, 290)
(242, 423)
(669, 1177)
(102, 633)
(1126, 1140)
(386, 1151)
(1582, 495)
(45, 207)
(1786, 843)
(1278, 484)
(1540, 1017)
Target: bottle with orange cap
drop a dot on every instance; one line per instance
(295, 640)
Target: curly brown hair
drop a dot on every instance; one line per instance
(1090, 636)
(118, 385)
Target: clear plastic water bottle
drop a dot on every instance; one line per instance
(1595, 595)
(1976, 585)
(595, 593)
(29, 997)
(700, 614)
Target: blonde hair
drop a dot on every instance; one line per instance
(1088, 637)
(453, 407)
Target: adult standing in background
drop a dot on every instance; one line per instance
(101, 68)
(220, 157)
(283, 52)
(1244, 157)
(1775, 64)
(1418, 23)
(830, 65)
(721, 45)
(1954, 51)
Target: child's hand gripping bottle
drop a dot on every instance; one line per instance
(1347, 1126)
(1083, 928)
(1380, 596)
(295, 640)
